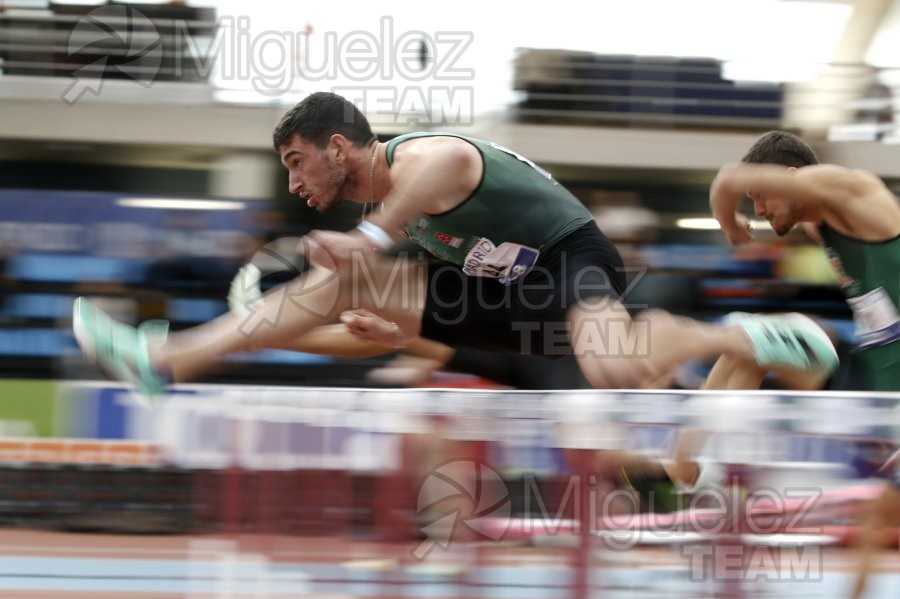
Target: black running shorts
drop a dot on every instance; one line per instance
(529, 317)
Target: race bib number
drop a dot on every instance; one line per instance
(875, 318)
(507, 262)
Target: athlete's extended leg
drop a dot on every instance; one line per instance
(730, 373)
(615, 351)
(394, 289)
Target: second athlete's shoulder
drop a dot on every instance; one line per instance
(843, 184)
(861, 204)
(837, 173)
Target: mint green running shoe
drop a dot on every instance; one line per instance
(789, 340)
(121, 352)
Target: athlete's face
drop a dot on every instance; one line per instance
(314, 173)
(780, 212)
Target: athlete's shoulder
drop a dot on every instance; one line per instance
(842, 175)
(446, 146)
(867, 186)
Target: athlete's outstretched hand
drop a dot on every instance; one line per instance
(365, 325)
(740, 231)
(724, 197)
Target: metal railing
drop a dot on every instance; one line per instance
(164, 43)
(560, 86)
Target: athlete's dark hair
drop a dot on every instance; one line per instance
(319, 116)
(781, 147)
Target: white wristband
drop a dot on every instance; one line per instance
(376, 235)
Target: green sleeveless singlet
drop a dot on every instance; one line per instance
(869, 275)
(517, 211)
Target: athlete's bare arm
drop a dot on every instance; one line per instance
(853, 202)
(338, 341)
(428, 175)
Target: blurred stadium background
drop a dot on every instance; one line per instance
(136, 168)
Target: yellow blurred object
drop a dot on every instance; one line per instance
(806, 264)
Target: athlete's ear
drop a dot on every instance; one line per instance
(792, 169)
(339, 144)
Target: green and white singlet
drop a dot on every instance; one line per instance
(869, 275)
(517, 211)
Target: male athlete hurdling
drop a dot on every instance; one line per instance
(520, 266)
